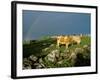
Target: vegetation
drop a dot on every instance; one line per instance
(44, 53)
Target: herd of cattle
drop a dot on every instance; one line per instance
(67, 40)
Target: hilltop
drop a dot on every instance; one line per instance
(44, 53)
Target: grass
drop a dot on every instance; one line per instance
(42, 47)
(85, 41)
(36, 46)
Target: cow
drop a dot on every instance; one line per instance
(67, 40)
(63, 40)
(76, 39)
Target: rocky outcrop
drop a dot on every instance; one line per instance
(53, 56)
(27, 64)
(33, 58)
(79, 56)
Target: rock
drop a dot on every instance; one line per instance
(27, 67)
(33, 58)
(65, 55)
(57, 55)
(42, 65)
(60, 62)
(27, 64)
(73, 58)
(66, 51)
(79, 50)
(51, 45)
(62, 54)
(40, 60)
(87, 51)
(53, 55)
(44, 44)
(55, 51)
(73, 55)
(37, 65)
(85, 46)
(45, 49)
(26, 61)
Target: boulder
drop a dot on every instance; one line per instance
(37, 65)
(87, 47)
(60, 62)
(27, 64)
(73, 58)
(51, 45)
(27, 67)
(45, 49)
(55, 51)
(33, 58)
(53, 55)
(40, 60)
(79, 50)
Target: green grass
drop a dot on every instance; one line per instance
(38, 48)
(85, 41)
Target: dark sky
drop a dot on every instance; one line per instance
(44, 23)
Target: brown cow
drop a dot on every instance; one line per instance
(63, 40)
(76, 39)
(66, 40)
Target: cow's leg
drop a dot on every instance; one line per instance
(57, 44)
(67, 45)
(78, 42)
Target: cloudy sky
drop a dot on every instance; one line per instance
(44, 23)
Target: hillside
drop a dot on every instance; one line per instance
(44, 53)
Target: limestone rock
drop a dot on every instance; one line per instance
(40, 60)
(37, 65)
(27, 64)
(33, 58)
(53, 55)
(27, 67)
(79, 50)
(60, 62)
(45, 49)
